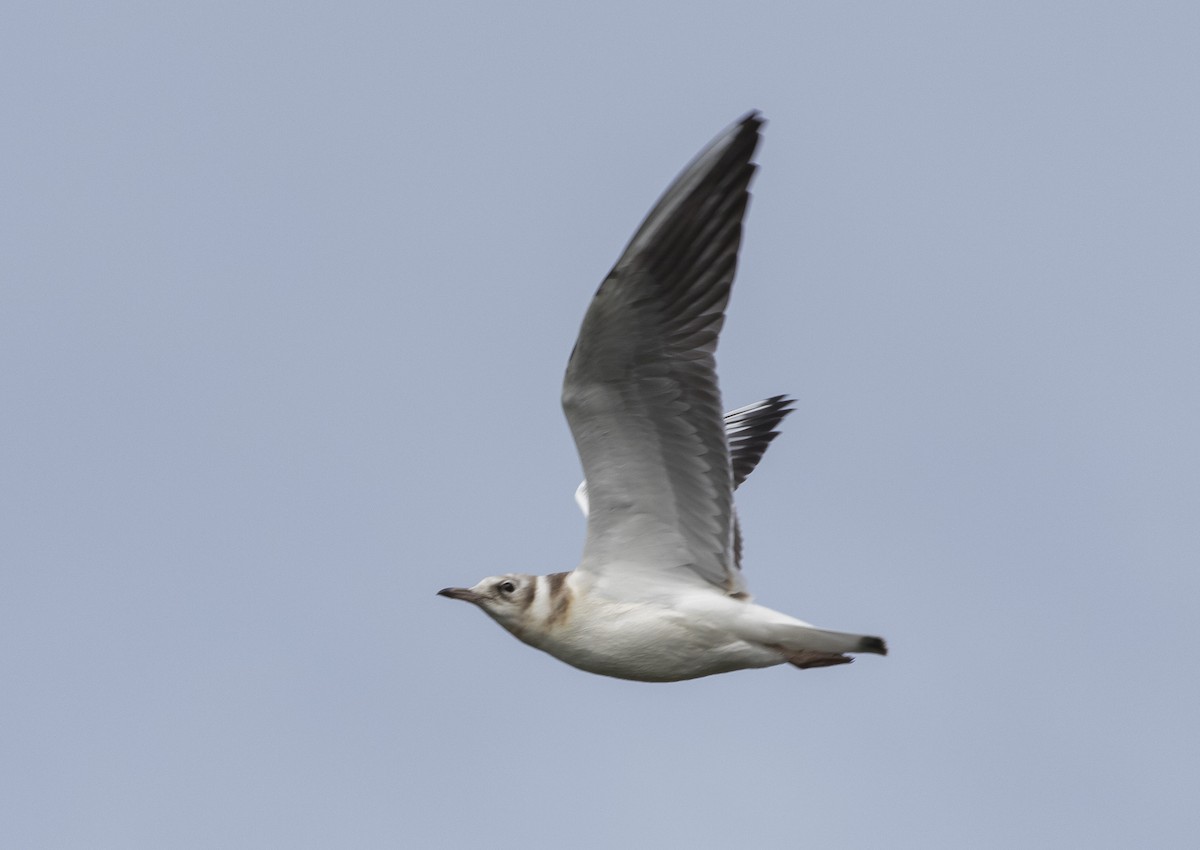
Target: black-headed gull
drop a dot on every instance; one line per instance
(658, 595)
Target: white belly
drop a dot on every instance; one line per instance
(649, 643)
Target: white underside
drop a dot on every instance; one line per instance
(701, 632)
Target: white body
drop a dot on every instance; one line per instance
(690, 633)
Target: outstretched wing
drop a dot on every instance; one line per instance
(640, 392)
(748, 431)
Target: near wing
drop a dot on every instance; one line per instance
(641, 394)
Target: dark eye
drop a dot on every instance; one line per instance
(507, 587)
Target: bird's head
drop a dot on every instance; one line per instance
(506, 599)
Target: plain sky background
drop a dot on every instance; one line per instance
(286, 293)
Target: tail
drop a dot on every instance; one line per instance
(807, 646)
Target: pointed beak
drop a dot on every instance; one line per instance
(463, 593)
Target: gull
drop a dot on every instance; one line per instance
(658, 595)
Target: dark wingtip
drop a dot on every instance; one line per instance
(751, 127)
(753, 117)
(751, 429)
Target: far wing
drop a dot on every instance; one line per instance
(748, 431)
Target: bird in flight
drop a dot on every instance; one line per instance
(658, 595)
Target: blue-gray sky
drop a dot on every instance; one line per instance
(286, 293)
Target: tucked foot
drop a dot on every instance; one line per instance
(806, 658)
